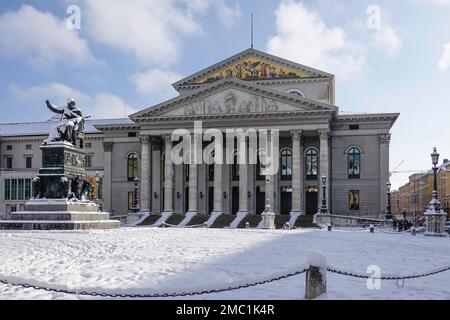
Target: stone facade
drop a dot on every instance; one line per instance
(315, 140)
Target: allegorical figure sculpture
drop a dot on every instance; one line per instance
(71, 126)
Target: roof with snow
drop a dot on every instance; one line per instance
(43, 128)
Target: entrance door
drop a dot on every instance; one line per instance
(210, 200)
(312, 203)
(286, 202)
(235, 200)
(260, 201)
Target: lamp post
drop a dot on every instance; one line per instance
(435, 215)
(324, 207)
(97, 184)
(136, 208)
(388, 207)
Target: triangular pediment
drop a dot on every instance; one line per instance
(232, 97)
(252, 65)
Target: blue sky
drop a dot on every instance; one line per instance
(126, 54)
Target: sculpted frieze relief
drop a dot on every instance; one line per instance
(231, 104)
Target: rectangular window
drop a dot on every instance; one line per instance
(29, 162)
(354, 127)
(130, 200)
(9, 163)
(9, 147)
(132, 134)
(27, 189)
(21, 189)
(14, 189)
(88, 144)
(28, 147)
(353, 200)
(88, 161)
(7, 189)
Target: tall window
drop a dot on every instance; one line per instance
(353, 200)
(29, 162)
(312, 160)
(9, 163)
(236, 166)
(132, 165)
(7, 189)
(354, 163)
(88, 161)
(20, 189)
(14, 189)
(27, 189)
(286, 164)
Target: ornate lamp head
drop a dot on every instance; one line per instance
(435, 157)
(388, 184)
(324, 180)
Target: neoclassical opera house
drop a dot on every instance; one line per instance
(252, 90)
(249, 90)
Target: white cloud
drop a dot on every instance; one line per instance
(100, 105)
(304, 37)
(149, 29)
(444, 62)
(387, 39)
(436, 2)
(227, 15)
(42, 39)
(156, 82)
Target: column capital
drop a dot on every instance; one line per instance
(108, 146)
(167, 138)
(145, 139)
(324, 134)
(296, 135)
(384, 138)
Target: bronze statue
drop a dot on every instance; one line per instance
(71, 126)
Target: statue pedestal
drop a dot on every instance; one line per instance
(435, 226)
(57, 191)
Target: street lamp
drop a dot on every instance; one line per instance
(136, 202)
(388, 207)
(324, 208)
(435, 160)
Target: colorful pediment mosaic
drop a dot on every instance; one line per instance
(253, 69)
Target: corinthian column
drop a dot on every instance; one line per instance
(218, 188)
(145, 173)
(168, 175)
(193, 179)
(243, 175)
(297, 172)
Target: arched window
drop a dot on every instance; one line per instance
(132, 166)
(311, 164)
(354, 163)
(286, 164)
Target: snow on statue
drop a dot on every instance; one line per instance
(70, 128)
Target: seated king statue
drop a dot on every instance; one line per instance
(70, 127)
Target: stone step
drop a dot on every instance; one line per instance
(305, 222)
(59, 225)
(252, 219)
(59, 216)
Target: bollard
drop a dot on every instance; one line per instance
(247, 225)
(330, 228)
(413, 231)
(205, 225)
(372, 229)
(316, 276)
(287, 226)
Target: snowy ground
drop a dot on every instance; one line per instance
(147, 259)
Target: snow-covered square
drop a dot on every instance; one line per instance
(148, 260)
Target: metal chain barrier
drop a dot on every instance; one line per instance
(157, 295)
(167, 225)
(397, 278)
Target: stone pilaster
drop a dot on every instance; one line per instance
(107, 178)
(325, 162)
(384, 141)
(168, 175)
(297, 172)
(145, 173)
